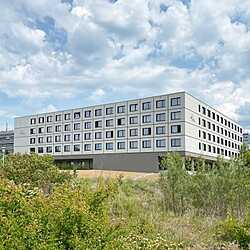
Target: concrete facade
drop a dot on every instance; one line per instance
(131, 135)
(7, 141)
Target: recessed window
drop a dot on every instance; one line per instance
(33, 121)
(41, 119)
(87, 136)
(133, 120)
(98, 112)
(146, 144)
(87, 113)
(160, 130)
(146, 118)
(133, 107)
(121, 109)
(161, 117)
(77, 137)
(57, 149)
(58, 118)
(133, 132)
(203, 110)
(120, 145)
(58, 128)
(49, 139)
(175, 129)
(32, 150)
(161, 143)
(109, 146)
(49, 149)
(110, 123)
(109, 111)
(146, 105)
(175, 101)
(98, 135)
(146, 131)
(160, 104)
(208, 113)
(109, 134)
(133, 144)
(32, 140)
(98, 124)
(41, 130)
(67, 116)
(121, 133)
(58, 138)
(120, 121)
(87, 125)
(32, 131)
(49, 129)
(77, 126)
(98, 146)
(77, 115)
(77, 147)
(67, 127)
(176, 115)
(40, 139)
(67, 138)
(49, 118)
(66, 148)
(40, 150)
(204, 123)
(176, 142)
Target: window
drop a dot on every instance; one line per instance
(58, 128)
(160, 104)
(109, 146)
(87, 125)
(77, 126)
(204, 147)
(49, 149)
(121, 145)
(33, 121)
(49, 118)
(175, 115)
(199, 146)
(109, 123)
(40, 150)
(213, 115)
(121, 109)
(204, 135)
(40, 139)
(98, 124)
(77, 147)
(133, 132)
(41, 130)
(133, 144)
(208, 113)
(161, 143)
(77, 137)
(32, 131)
(87, 113)
(58, 118)
(57, 149)
(67, 116)
(146, 131)
(161, 117)
(160, 130)
(67, 127)
(199, 107)
(175, 101)
(77, 115)
(32, 140)
(98, 112)
(32, 150)
(98, 135)
(58, 138)
(203, 110)
(146, 144)
(87, 136)
(133, 107)
(175, 129)
(49, 139)
(146, 105)
(109, 111)
(49, 129)
(176, 142)
(66, 148)
(209, 125)
(98, 146)
(133, 120)
(146, 118)
(121, 121)
(121, 133)
(204, 123)
(109, 134)
(41, 119)
(66, 137)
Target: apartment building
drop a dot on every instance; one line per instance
(131, 135)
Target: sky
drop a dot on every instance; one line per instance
(61, 54)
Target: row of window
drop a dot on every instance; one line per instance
(220, 130)
(161, 130)
(216, 139)
(219, 118)
(175, 116)
(161, 143)
(108, 111)
(216, 150)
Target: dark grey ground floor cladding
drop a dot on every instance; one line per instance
(137, 162)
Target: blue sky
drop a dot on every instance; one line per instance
(57, 54)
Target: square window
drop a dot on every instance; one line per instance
(77, 147)
(160, 117)
(133, 107)
(77, 115)
(146, 105)
(161, 143)
(121, 145)
(121, 109)
(109, 111)
(109, 146)
(176, 101)
(146, 144)
(175, 129)
(98, 112)
(175, 115)
(133, 144)
(160, 104)
(87, 113)
(161, 130)
(98, 146)
(176, 142)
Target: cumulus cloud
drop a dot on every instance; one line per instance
(90, 51)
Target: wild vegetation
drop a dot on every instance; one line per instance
(44, 208)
